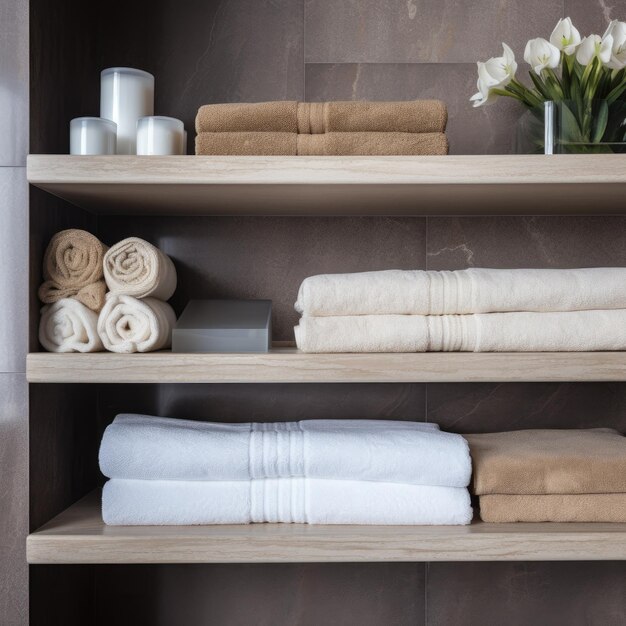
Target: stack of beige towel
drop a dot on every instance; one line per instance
(550, 475)
(82, 317)
(322, 128)
(474, 310)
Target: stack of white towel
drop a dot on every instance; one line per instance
(474, 310)
(165, 472)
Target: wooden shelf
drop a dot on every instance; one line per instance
(78, 535)
(287, 365)
(429, 185)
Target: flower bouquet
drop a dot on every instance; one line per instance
(578, 90)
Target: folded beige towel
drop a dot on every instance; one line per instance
(542, 462)
(72, 265)
(134, 267)
(92, 296)
(571, 331)
(127, 324)
(417, 116)
(328, 144)
(596, 507)
(69, 326)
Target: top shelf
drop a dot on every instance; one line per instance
(394, 186)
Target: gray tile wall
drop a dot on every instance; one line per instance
(13, 311)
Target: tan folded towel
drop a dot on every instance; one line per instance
(541, 462)
(72, 267)
(134, 267)
(328, 144)
(417, 116)
(596, 507)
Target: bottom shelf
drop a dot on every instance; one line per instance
(78, 535)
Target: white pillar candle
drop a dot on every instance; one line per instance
(126, 94)
(92, 135)
(160, 135)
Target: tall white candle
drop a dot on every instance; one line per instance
(160, 135)
(92, 135)
(126, 94)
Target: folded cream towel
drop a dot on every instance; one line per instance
(417, 116)
(328, 144)
(419, 292)
(532, 462)
(134, 267)
(288, 500)
(69, 326)
(92, 296)
(157, 448)
(573, 331)
(595, 507)
(127, 324)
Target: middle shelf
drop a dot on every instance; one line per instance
(288, 365)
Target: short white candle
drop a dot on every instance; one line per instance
(92, 135)
(126, 94)
(160, 135)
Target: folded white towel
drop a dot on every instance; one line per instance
(157, 448)
(69, 326)
(134, 267)
(127, 324)
(397, 292)
(289, 500)
(492, 332)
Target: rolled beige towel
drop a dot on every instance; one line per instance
(134, 267)
(72, 265)
(127, 324)
(328, 144)
(69, 326)
(413, 116)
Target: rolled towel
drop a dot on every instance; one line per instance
(157, 448)
(418, 116)
(419, 292)
(287, 500)
(328, 144)
(92, 296)
(594, 507)
(127, 324)
(573, 331)
(543, 462)
(134, 267)
(69, 326)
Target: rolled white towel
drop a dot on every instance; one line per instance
(160, 448)
(287, 500)
(572, 331)
(127, 324)
(475, 290)
(69, 326)
(134, 267)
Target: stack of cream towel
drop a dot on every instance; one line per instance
(474, 310)
(80, 316)
(166, 472)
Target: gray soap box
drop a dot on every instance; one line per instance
(224, 326)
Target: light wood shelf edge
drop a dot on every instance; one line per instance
(78, 535)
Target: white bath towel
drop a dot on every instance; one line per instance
(134, 267)
(397, 292)
(299, 500)
(492, 332)
(127, 324)
(69, 326)
(157, 448)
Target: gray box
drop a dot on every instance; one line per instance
(224, 326)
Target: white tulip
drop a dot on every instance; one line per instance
(595, 46)
(540, 54)
(617, 30)
(565, 36)
(496, 73)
